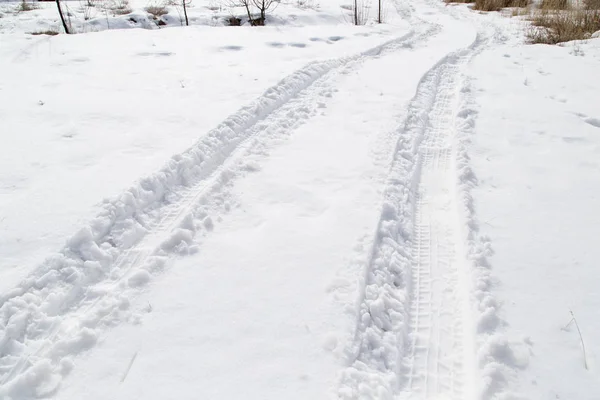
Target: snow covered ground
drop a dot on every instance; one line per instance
(113, 106)
(395, 211)
(536, 153)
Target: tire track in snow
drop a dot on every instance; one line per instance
(59, 310)
(435, 316)
(409, 340)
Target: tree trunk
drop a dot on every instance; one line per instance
(379, 13)
(187, 22)
(355, 12)
(247, 5)
(62, 17)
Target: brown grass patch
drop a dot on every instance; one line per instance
(497, 5)
(552, 27)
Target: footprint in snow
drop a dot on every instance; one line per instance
(232, 48)
(298, 45)
(155, 54)
(595, 122)
(573, 139)
(275, 44)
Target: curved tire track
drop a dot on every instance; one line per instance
(406, 343)
(58, 311)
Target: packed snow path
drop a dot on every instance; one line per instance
(233, 240)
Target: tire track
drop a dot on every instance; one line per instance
(408, 341)
(435, 318)
(59, 311)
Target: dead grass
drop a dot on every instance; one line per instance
(25, 6)
(497, 5)
(591, 4)
(520, 11)
(157, 10)
(120, 7)
(552, 27)
(48, 32)
(554, 4)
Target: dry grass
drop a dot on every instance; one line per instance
(120, 7)
(520, 12)
(554, 4)
(459, 1)
(157, 10)
(497, 5)
(591, 4)
(48, 32)
(25, 6)
(563, 26)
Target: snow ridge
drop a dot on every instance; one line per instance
(498, 357)
(58, 311)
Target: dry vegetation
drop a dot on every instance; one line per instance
(48, 32)
(497, 5)
(591, 4)
(554, 4)
(157, 10)
(120, 7)
(25, 6)
(553, 21)
(552, 27)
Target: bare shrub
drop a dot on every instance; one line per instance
(87, 8)
(265, 6)
(262, 6)
(563, 26)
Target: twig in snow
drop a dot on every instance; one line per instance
(574, 320)
(129, 367)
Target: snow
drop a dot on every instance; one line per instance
(88, 104)
(536, 124)
(303, 210)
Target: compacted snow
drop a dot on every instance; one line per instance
(304, 210)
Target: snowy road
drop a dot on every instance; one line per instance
(328, 211)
